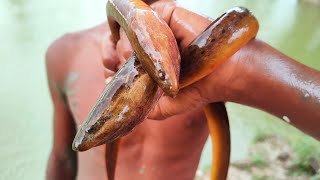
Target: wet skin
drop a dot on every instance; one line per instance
(248, 78)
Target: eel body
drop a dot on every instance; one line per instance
(223, 38)
(127, 99)
(218, 123)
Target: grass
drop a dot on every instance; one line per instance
(306, 157)
(261, 178)
(259, 161)
(260, 137)
(305, 166)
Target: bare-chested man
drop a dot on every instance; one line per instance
(78, 65)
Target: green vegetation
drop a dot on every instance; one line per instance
(305, 166)
(260, 137)
(304, 147)
(260, 178)
(259, 160)
(306, 157)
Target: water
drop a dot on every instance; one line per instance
(29, 26)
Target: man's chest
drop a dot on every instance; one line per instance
(82, 86)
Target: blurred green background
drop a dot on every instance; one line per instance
(29, 26)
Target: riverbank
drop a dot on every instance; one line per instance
(317, 2)
(272, 157)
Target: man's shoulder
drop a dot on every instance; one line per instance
(67, 49)
(60, 54)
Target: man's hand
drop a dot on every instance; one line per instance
(186, 26)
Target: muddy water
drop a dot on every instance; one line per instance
(29, 26)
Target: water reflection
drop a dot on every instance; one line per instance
(18, 2)
(305, 32)
(278, 21)
(20, 20)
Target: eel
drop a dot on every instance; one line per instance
(127, 99)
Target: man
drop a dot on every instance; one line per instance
(257, 75)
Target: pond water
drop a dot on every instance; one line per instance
(29, 26)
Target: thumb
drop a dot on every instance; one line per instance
(188, 99)
(109, 56)
(124, 49)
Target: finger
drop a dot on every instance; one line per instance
(188, 99)
(108, 73)
(164, 8)
(109, 55)
(186, 26)
(124, 49)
